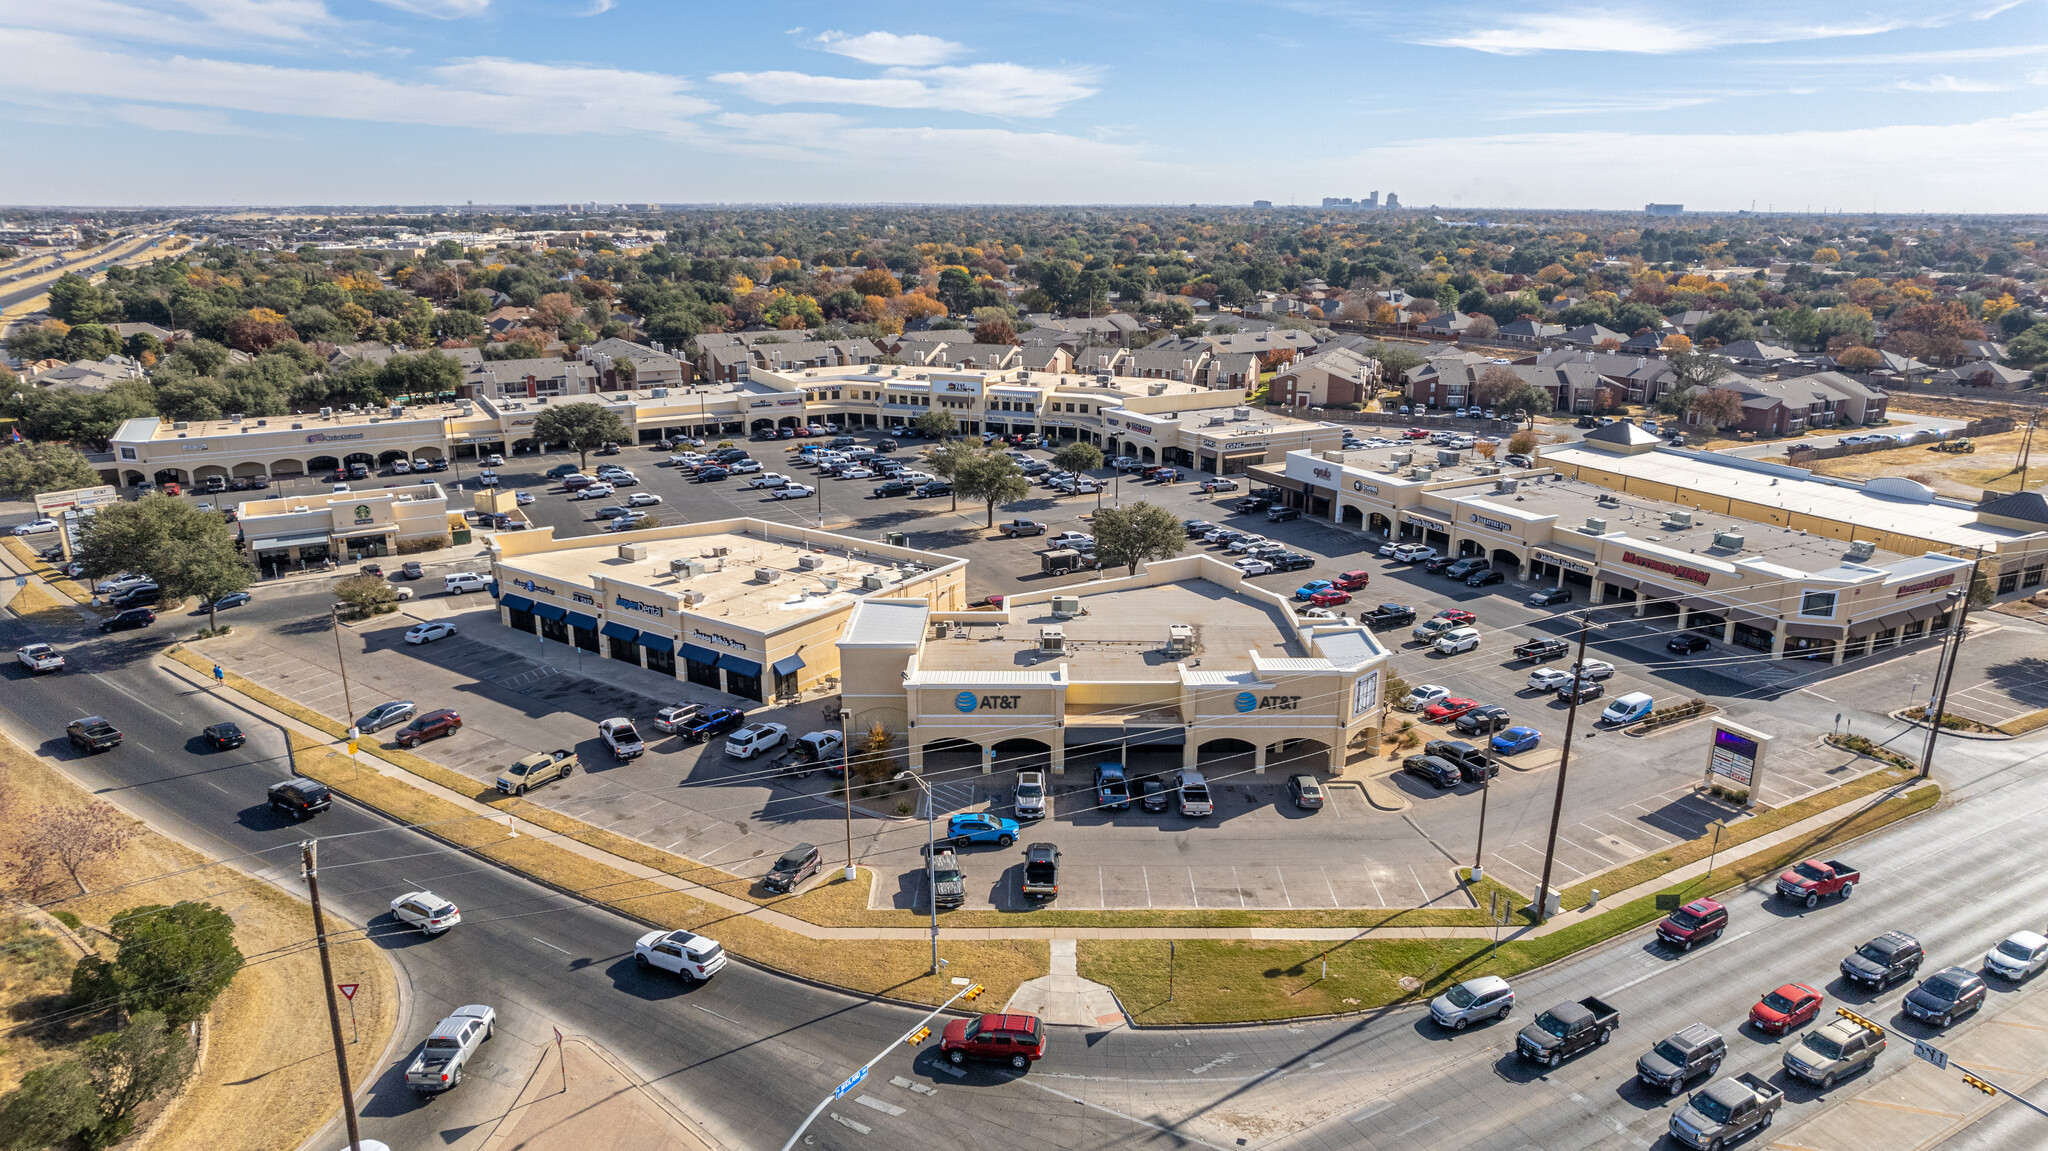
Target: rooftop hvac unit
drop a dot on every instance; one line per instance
(1217, 421)
(1447, 458)
(1507, 487)
(829, 583)
(1485, 469)
(326, 413)
(767, 575)
(1596, 526)
(633, 551)
(1052, 637)
(1607, 500)
(1240, 413)
(692, 598)
(1180, 638)
(810, 562)
(695, 567)
(1066, 606)
(660, 393)
(873, 581)
(397, 410)
(1729, 540)
(1403, 458)
(1861, 549)
(1425, 473)
(1679, 519)
(721, 552)
(943, 628)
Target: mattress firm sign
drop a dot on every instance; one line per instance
(1680, 571)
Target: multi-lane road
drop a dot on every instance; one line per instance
(750, 1053)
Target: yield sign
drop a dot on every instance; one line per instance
(348, 990)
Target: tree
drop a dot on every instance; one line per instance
(995, 332)
(1727, 326)
(131, 1067)
(175, 960)
(70, 839)
(53, 1103)
(871, 760)
(1138, 534)
(1717, 407)
(1395, 361)
(1077, 457)
(187, 551)
(584, 427)
(877, 282)
(948, 458)
(1496, 381)
(1482, 328)
(32, 342)
(936, 424)
(1522, 443)
(1697, 369)
(991, 478)
(1858, 358)
(426, 374)
(26, 469)
(1676, 342)
(364, 593)
(76, 300)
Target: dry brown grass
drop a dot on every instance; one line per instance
(896, 968)
(1994, 465)
(77, 591)
(269, 1055)
(39, 607)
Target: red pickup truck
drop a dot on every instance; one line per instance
(1809, 880)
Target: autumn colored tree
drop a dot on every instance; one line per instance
(1858, 358)
(878, 282)
(258, 330)
(1717, 407)
(995, 332)
(1496, 381)
(1677, 342)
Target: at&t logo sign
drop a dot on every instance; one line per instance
(968, 701)
(965, 701)
(1246, 701)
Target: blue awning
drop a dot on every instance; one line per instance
(621, 631)
(549, 611)
(696, 654)
(492, 587)
(740, 664)
(788, 664)
(653, 642)
(516, 603)
(586, 622)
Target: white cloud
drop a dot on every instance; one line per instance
(484, 93)
(157, 118)
(987, 89)
(912, 51)
(211, 23)
(1942, 83)
(1932, 56)
(1644, 32)
(599, 7)
(440, 9)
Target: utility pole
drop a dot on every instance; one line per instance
(1948, 674)
(347, 701)
(309, 857)
(1479, 852)
(1564, 763)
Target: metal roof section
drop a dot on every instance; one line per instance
(886, 623)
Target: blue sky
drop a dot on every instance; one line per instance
(1877, 105)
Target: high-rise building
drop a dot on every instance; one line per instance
(1393, 201)
(1262, 203)
(1664, 209)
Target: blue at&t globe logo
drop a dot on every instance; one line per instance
(1246, 701)
(965, 701)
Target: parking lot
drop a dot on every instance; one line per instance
(1627, 796)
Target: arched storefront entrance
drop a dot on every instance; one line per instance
(1506, 561)
(954, 756)
(1378, 524)
(1297, 755)
(1023, 755)
(1225, 757)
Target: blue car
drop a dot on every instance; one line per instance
(975, 828)
(232, 599)
(1516, 739)
(1312, 587)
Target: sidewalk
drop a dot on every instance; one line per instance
(583, 1100)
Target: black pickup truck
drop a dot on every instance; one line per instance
(93, 733)
(1389, 615)
(1538, 650)
(1567, 1029)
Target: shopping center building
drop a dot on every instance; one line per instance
(1185, 665)
(291, 533)
(748, 607)
(1758, 555)
(1157, 421)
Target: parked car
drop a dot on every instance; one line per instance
(1484, 720)
(223, 736)
(432, 725)
(1441, 772)
(684, 954)
(1422, 695)
(967, 828)
(1549, 596)
(456, 583)
(1152, 794)
(386, 714)
(1482, 999)
(1538, 650)
(1029, 798)
(1835, 1051)
(1485, 578)
(1691, 1051)
(1016, 528)
(1458, 641)
(1353, 580)
(1389, 615)
(751, 740)
(1593, 669)
(1627, 709)
(1686, 643)
(299, 798)
(791, 868)
(438, 1067)
(621, 737)
(1287, 561)
(231, 599)
(1516, 740)
(1330, 597)
(1018, 1040)
(819, 746)
(1701, 921)
(1306, 791)
(1040, 879)
(793, 492)
(1945, 995)
(536, 769)
(1195, 801)
(1448, 708)
(1567, 1029)
(1888, 959)
(949, 887)
(1788, 1008)
(426, 911)
(704, 725)
(429, 632)
(1112, 789)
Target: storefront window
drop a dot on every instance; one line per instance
(785, 684)
(520, 621)
(705, 674)
(748, 686)
(661, 661)
(554, 629)
(2010, 581)
(586, 639)
(1817, 603)
(2032, 577)
(624, 649)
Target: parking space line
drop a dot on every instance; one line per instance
(1334, 901)
(1419, 888)
(1281, 875)
(1589, 851)
(1377, 898)
(1237, 883)
(1193, 894)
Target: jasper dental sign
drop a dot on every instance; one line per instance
(653, 609)
(1668, 568)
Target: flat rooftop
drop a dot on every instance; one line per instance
(1943, 522)
(1573, 502)
(1122, 635)
(731, 589)
(1422, 454)
(285, 505)
(312, 420)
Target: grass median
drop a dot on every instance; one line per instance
(893, 968)
(1236, 981)
(78, 592)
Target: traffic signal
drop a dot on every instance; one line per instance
(973, 992)
(918, 1036)
(1979, 1084)
(1859, 1021)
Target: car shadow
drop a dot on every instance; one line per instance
(263, 817)
(389, 1096)
(1515, 1069)
(1634, 1092)
(647, 983)
(392, 934)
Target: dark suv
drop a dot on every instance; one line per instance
(1694, 1050)
(1697, 922)
(1888, 959)
(1686, 644)
(432, 725)
(300, 798)
(133, 617)
(791, 868)
(1441, 772)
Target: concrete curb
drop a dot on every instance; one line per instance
(1923, 725)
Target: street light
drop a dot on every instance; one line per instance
(931, 891)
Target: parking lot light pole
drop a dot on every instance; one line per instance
(1947, 673)
(1564, 763)
(1479, 851)
(931, 890)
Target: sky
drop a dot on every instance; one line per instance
(1881, 105)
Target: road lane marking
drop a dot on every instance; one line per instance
(1664, 967)
(912, 1085)
(1417, 1126)
(545, 943)
(1364, 1113)
(716, 1015)
(885, 1108)
(1904, 1107)
(1180, 1135)
(860, 1127)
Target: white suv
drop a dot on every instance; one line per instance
(755, 738)
(458, 582)
(688, 956)
(1458, 640)
(1414, 553)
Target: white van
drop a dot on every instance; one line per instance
(1628, 708)
(461, 582)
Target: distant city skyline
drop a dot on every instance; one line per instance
(1883, 106)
